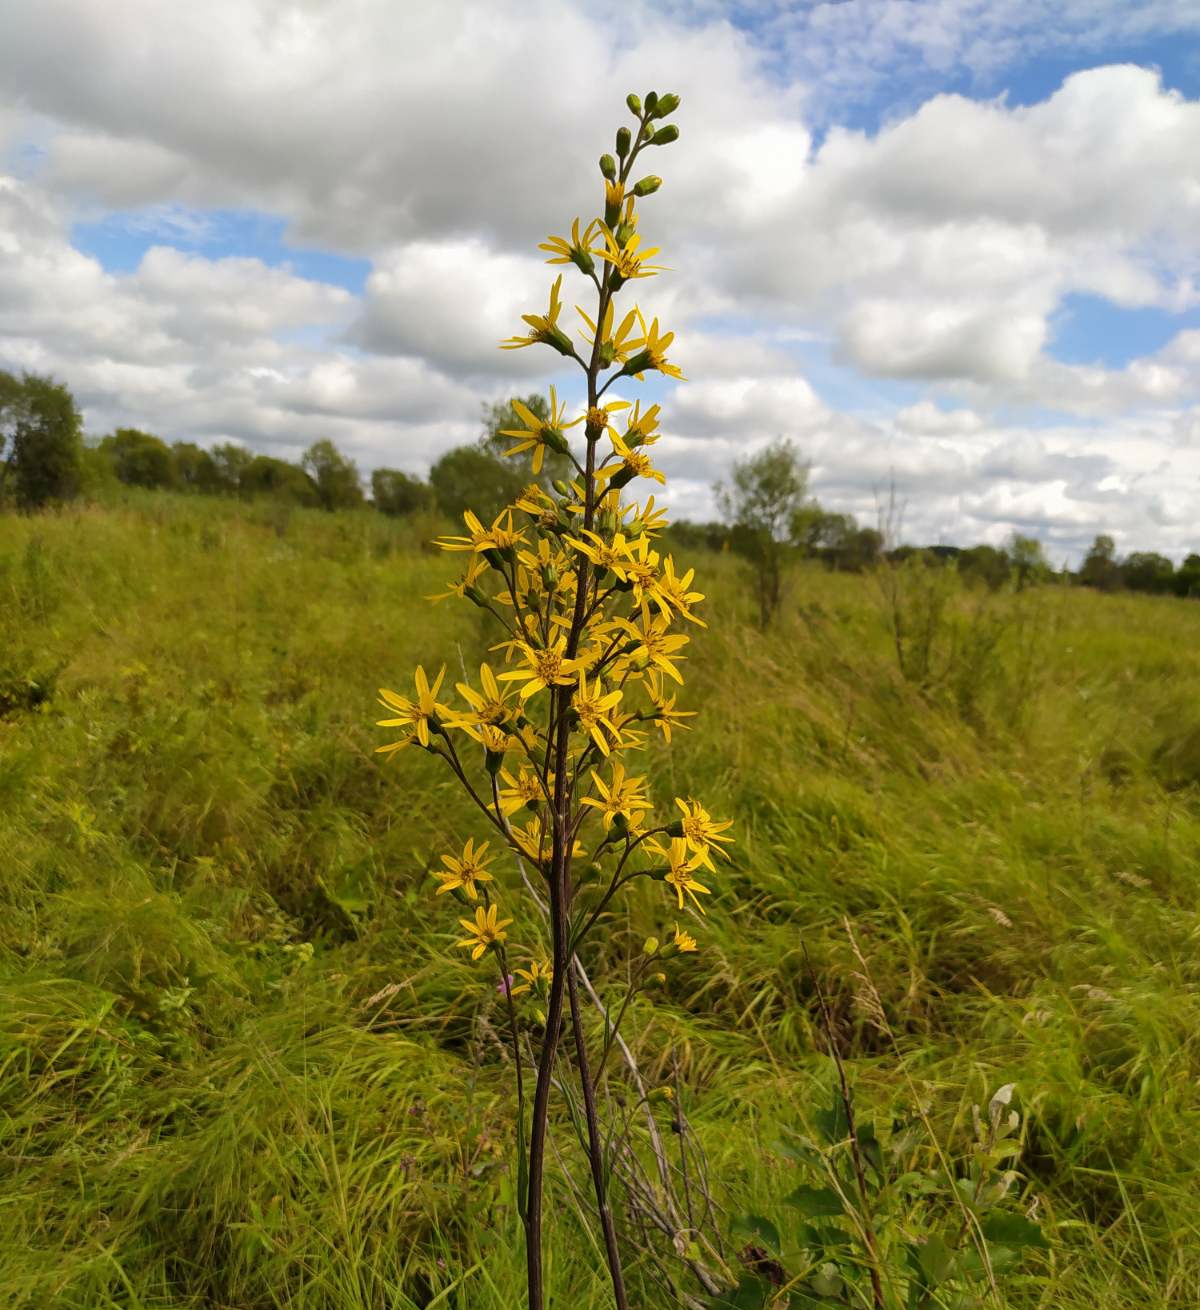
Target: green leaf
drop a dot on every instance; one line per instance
(754, 1225)
(815, 1202)
(832, 1124)
(1009, 1229)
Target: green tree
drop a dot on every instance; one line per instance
(230, 462)
(139, 459)
(760, 501)
(267, 476)
(1146, 570)
(334, 475)
(1028, 560)
(195, 469)
(1187, 577)
(990, 565)
(468, 477)
(41, 441)
(1100, 568)
(396, 493)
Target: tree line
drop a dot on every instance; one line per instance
(768, 515)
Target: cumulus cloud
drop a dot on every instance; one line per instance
(914, 270)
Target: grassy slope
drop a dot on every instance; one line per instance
(194, 1113)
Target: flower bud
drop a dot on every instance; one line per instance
(583, 260)
(634, 103)
(665, 135)
(540, 1016)
(624, 140)
(608, 166)
(651, 102)
(623, 233)
(667, 104)
(650, 946)
(647, 186)
(561, 487)
(492, 761)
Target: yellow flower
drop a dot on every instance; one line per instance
(702, 833)
(465, 870)
(538, 436)
(594, 709)
(499, 536)
(612, 345)
(524, 789)
(536, 976)
(490, 707)
(546, 666)
(459, 589)
(633, 465)
(418, 716)
(652, 352)
(629, 260)
(621, 797)
(484, 930)
(665, 714)
(670, 592)
(680, 867)
(576, 251)
(656, 647)
(544, 327)
(684, 941)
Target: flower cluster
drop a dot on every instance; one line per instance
(594, 617)
(594, 613)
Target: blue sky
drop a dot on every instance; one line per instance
(947, 243)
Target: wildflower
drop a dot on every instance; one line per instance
(537, 977)
(628, 261)
(652, 353)
(491, 707)
(459, 589)
(504, 986)
(544, 327)
(665, 715)
(546, 666)
(684, 941)
(465, 870)
(680, 868)
(537, 435)
(621, 798)
(500, 536)
(593, 707)
(485, 930)
(613, 345)
(523, 790)
(633, 465)
(671, 593)
(701, 832)
(420, 716)
(654, 646)
(576, 251)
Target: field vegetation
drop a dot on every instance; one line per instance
(239, 1066)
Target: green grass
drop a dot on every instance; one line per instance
(206, 875)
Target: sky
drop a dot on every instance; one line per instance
(950, 248)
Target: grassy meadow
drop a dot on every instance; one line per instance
(242, 1066)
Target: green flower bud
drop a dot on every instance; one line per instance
(550, 577)
(651, 102)
(647, 186)
(624, 140)
(667, 104)
(492, 761)
(665, 135)
(623, 233)
(583, 260)
(608, 166)
(634, 103)
(650, 946)
(561, 487)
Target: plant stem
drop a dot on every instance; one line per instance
(595, 1148)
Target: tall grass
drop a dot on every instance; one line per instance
(237, 1069)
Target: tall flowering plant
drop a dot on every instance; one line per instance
(593, 622)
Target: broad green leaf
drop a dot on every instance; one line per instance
(815, 1202)
(754, 1225)
(1008, 1229)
